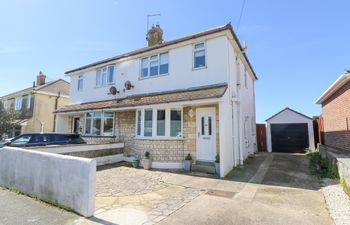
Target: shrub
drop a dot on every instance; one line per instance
(188, 157)
(147, 154)
(322, 167)
(217, 158)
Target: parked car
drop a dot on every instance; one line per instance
(44, 139)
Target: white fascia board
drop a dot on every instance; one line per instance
(333, 88)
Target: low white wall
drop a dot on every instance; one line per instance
(62, 180)
(110, 159)
(60, 149)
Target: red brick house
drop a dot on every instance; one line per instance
(335, 103)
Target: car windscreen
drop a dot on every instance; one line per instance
(22, 140)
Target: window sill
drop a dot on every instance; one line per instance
(151, 77)
(199, 68)
(106, 85)
(160, 138)
(98, 136)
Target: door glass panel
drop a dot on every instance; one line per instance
(209, 125)
(202, 125)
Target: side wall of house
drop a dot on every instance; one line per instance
(44, 106)
(242, 103)
(336, 117)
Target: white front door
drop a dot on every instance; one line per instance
(206, 134)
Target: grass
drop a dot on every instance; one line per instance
(322, 167)
(345, 186)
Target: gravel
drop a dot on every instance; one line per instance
(338, 202)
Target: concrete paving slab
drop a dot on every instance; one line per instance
(20, 209)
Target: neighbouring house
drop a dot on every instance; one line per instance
(192, 95)
(289, 131)
(335, 120)
(36, 105)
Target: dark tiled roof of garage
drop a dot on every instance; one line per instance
(189, 94)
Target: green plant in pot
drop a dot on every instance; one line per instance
(217, 164)
(135, 163)
(188, 162)
(147, 161)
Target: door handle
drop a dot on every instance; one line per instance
(199, 134)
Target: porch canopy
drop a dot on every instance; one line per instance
(189, 94)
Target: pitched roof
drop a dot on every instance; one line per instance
(172, 42)
(189, 94)
(339, 83)
(50, 87)
(287, 108)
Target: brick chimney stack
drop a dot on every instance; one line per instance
(40, 79)
(155, 35)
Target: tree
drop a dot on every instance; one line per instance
(8, 119)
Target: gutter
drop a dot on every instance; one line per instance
(340, 82)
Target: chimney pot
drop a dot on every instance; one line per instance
(40, 79)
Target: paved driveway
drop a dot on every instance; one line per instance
(270, 189)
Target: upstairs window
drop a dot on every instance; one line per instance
(155, 65)
(18, 103)
(199, 56)
(5, 104)
(80, 83)
(29, 101)
(105, 76)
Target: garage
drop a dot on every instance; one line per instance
(289, 131)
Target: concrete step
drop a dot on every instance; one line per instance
(204, 167)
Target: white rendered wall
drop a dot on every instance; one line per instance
(289, 116)
(62, 180)
(181, 73)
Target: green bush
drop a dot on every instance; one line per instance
(322, 167)
(188, 157)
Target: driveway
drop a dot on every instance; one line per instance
(269, 189)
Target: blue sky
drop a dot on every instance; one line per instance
(297, 48)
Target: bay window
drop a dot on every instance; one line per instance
(155, 65)
(99, 123)
(148, 123)
(175, 123)
(159, 123)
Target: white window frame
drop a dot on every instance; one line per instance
(196, 50)
(102, 125)
(149, 66)
(80, 86)
(154, 123)
(29, 101)
(18, 103)
(5, 104)
(104, 76)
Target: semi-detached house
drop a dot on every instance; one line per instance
(194, 95)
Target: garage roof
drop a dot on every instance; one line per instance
(289, 109)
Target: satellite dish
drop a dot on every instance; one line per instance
(113, 90)
(128, 85)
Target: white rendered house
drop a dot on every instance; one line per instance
(194, 95)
